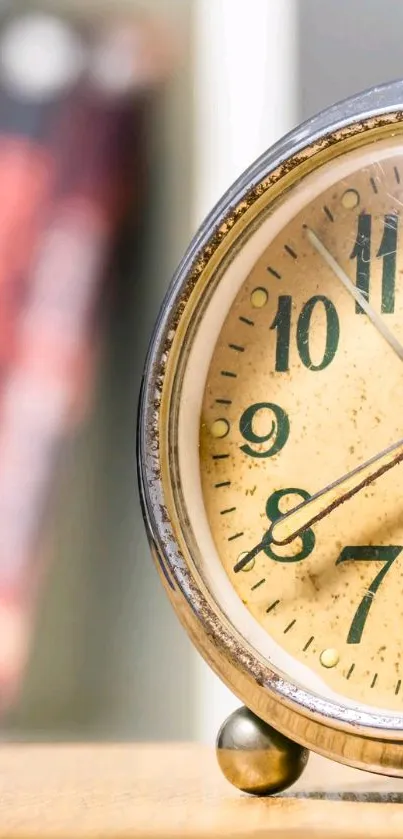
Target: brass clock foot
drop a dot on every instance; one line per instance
(256, 758)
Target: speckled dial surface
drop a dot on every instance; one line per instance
(302, 388)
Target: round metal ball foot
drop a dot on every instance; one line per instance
(255, 758)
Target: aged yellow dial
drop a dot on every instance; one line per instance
(271, 436)
(302, 407)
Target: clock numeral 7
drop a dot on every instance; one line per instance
(351, 553)
(367, 553)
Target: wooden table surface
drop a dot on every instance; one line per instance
(177, 791)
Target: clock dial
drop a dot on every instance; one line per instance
(302, 388)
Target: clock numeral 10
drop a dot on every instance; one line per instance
(282, 325)
(387, 252)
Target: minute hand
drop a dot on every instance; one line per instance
(286, 528)
(377, 321)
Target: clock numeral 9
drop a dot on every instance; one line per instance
(282, 324)
(278, 426)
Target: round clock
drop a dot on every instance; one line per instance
(270, 436)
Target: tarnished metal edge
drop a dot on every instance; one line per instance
(371, 109)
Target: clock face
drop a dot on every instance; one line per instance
(302, 387)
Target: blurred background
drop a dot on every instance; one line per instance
(120, 127)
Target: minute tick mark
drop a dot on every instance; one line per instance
(229, 510)
(373, 683)
(373, 184)
(273, 272)
(273, 606)
(290, 626)
(235, 536)
(290, 251)
(236, 347)
(246, 320)
(398, 686)
(397, 176)
(229, 374)
(308, 644)
(350, 671)
(328, 213)
(260, 583)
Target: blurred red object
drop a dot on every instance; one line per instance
(73, 94)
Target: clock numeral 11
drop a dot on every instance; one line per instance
(387, 252)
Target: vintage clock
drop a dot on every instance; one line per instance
(270, 443)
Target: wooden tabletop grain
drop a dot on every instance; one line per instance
(169, 791)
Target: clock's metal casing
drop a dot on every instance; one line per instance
(372, 741)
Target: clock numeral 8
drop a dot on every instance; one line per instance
(307, 539)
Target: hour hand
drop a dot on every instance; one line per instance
(315, 508)
(291, 524)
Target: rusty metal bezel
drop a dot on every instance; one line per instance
(371, 741)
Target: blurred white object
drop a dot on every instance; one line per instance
(244, 100)
(245, 88)
(40, 55)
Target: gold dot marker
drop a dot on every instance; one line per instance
(219, 428)
(350, 199)
(249, 565)
(329, 657)
(259, 298)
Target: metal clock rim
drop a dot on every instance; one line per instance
(375, 728)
